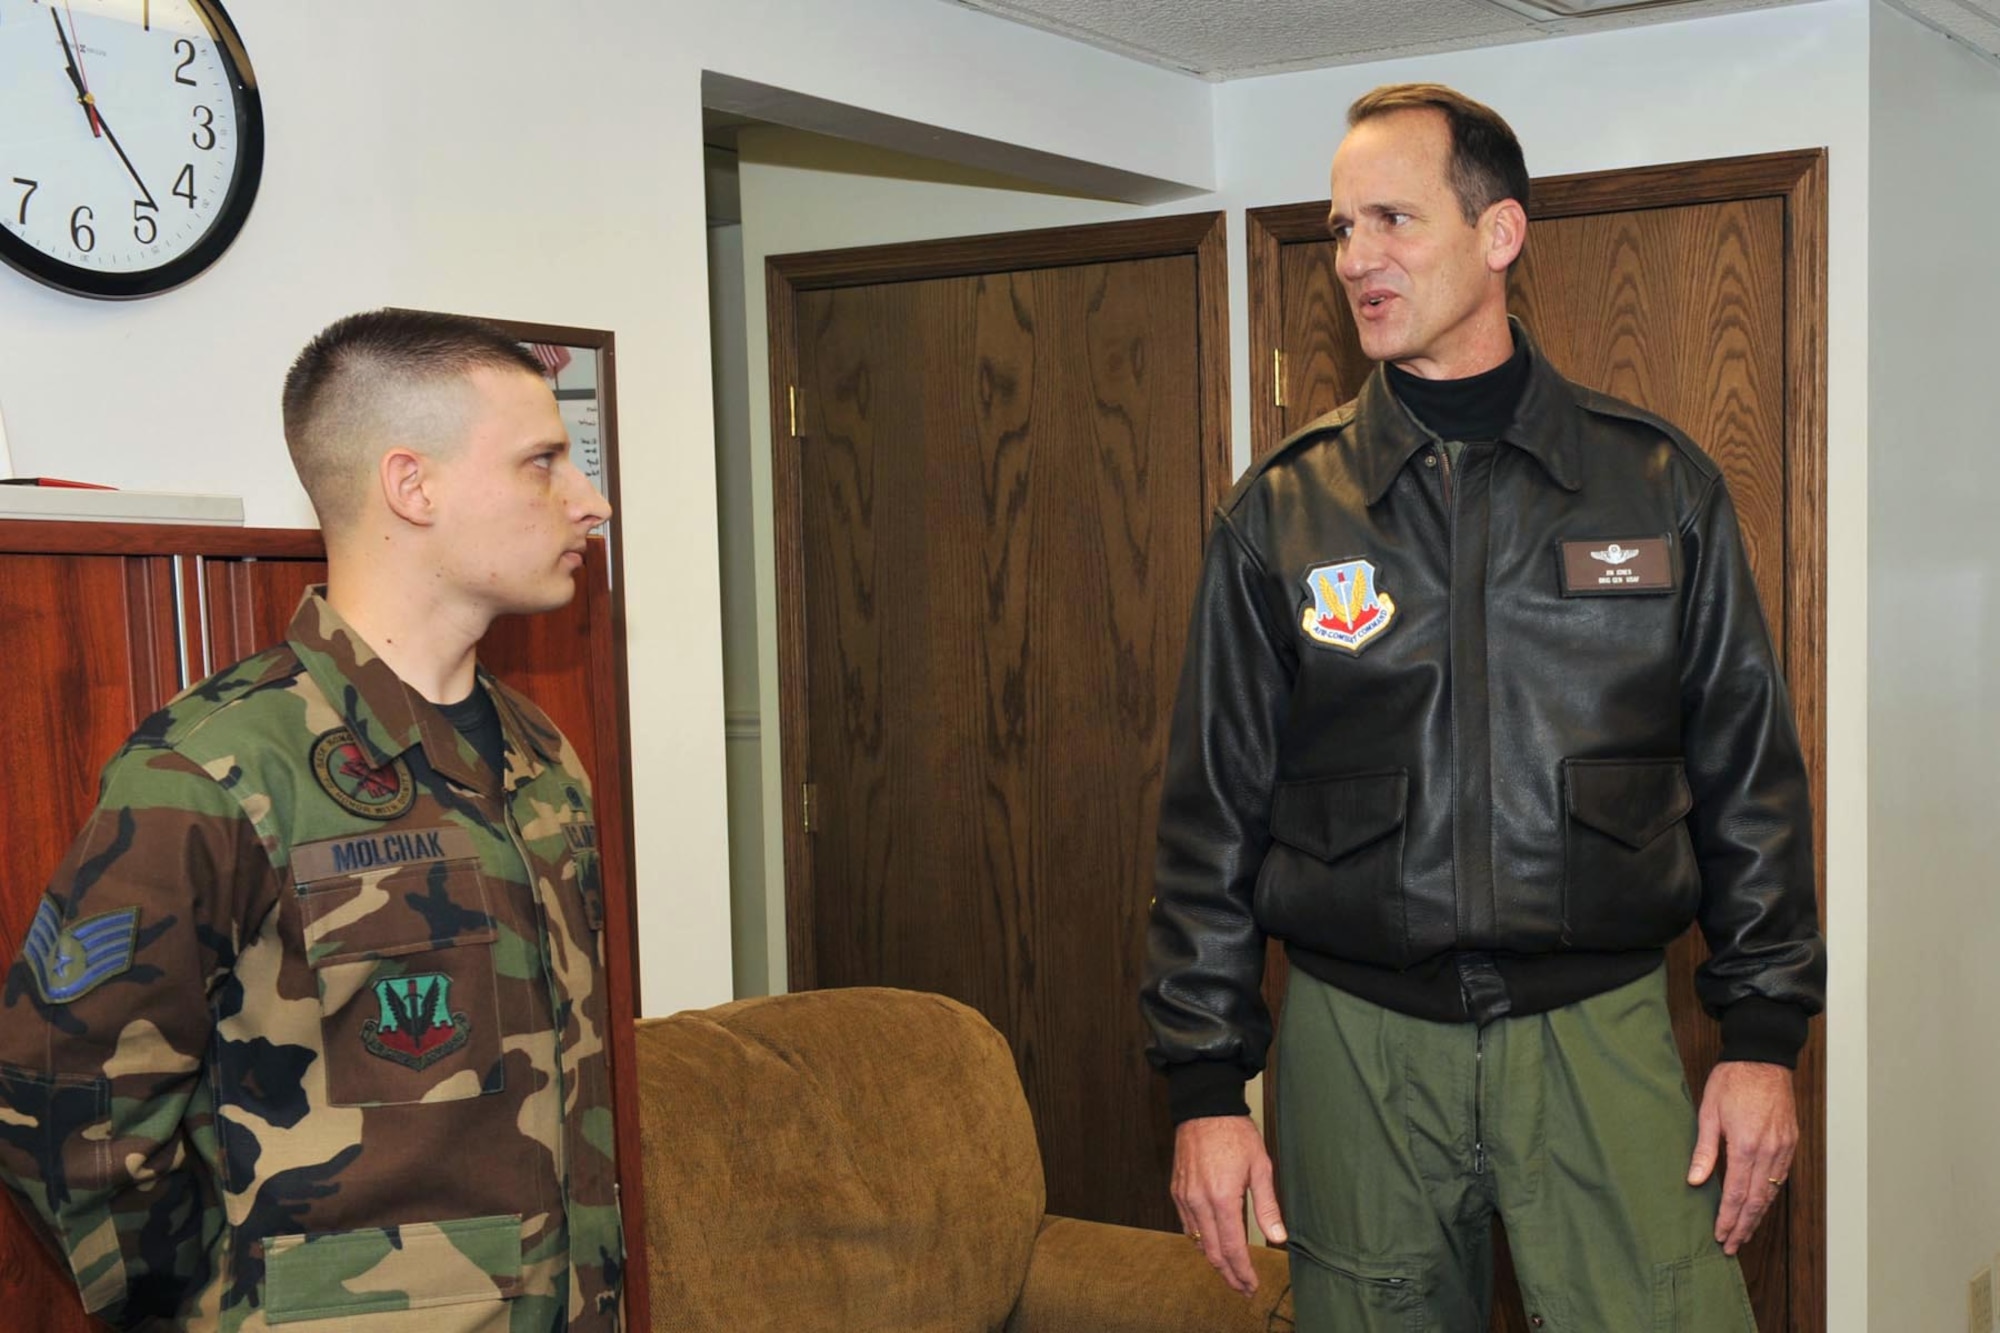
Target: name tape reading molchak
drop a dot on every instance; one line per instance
(380, 851)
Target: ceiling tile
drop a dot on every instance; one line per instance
(1970, 21)
(1222, 38)
(1229, 39)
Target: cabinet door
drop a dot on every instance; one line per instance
(249, 603)
(89, 647)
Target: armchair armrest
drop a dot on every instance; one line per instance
(1090, 1277)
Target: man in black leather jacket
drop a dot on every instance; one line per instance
(1479, 712)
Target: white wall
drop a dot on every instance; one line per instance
(1934, 641)
(735, 505)
(544, 162)
(1747, 83)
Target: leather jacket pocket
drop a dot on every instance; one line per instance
(409, 1003)
(1630, 878)
(1332, 881)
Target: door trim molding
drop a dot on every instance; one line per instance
(1798, 180)
(1199, 235)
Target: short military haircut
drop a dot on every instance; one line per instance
(1486, 161)
(378, 379)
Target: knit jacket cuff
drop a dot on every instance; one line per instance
(1205, 1088)
(1766, 1031)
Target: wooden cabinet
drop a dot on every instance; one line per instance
(101, 624)
(86, 651)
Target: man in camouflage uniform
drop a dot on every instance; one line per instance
(311, 1023)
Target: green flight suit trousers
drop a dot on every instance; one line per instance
(1400, 1139)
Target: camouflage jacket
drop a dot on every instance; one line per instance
(311, 1023)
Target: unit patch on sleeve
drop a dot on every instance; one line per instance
(71, 961)
(1348, 610)
(373, 793)
(1604, 566)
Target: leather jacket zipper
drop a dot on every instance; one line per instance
(1450, 666)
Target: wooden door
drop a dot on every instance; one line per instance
(1007, 450)
(1698, 292)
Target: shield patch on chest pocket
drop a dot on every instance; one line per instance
(1349, 610)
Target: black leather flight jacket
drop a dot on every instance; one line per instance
(1523, 788)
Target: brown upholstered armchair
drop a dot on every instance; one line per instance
(862, 1161)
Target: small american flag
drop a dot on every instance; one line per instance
(553, 358)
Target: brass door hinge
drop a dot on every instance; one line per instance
(1278, 376)
(792, 408)
(808, 794)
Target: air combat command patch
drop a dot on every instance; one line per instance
(71, 961)
(373, 793)
(1349, 609)
(416, 1027)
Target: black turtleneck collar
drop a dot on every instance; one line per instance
(1476, 409)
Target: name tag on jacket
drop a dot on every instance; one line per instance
(1607, 566)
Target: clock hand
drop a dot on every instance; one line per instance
(82, 74)
(83, 96)
(127, 161)
(98, 125)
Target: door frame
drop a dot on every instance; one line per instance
(1199, 235)
(1798, 181)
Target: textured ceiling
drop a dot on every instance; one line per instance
(1233, 39)
(1973, 22)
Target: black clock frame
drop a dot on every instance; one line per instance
(229, 220)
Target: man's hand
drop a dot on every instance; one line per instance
(1217, 1159)
(1748, 1106)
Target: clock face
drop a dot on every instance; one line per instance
(131, 141)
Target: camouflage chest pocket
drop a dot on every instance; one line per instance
(404, 959)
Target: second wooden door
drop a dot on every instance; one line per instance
(1003, 478)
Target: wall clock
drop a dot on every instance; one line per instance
(131, 141)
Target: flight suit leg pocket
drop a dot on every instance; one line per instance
(1702, 1294)
(1333, 1289)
